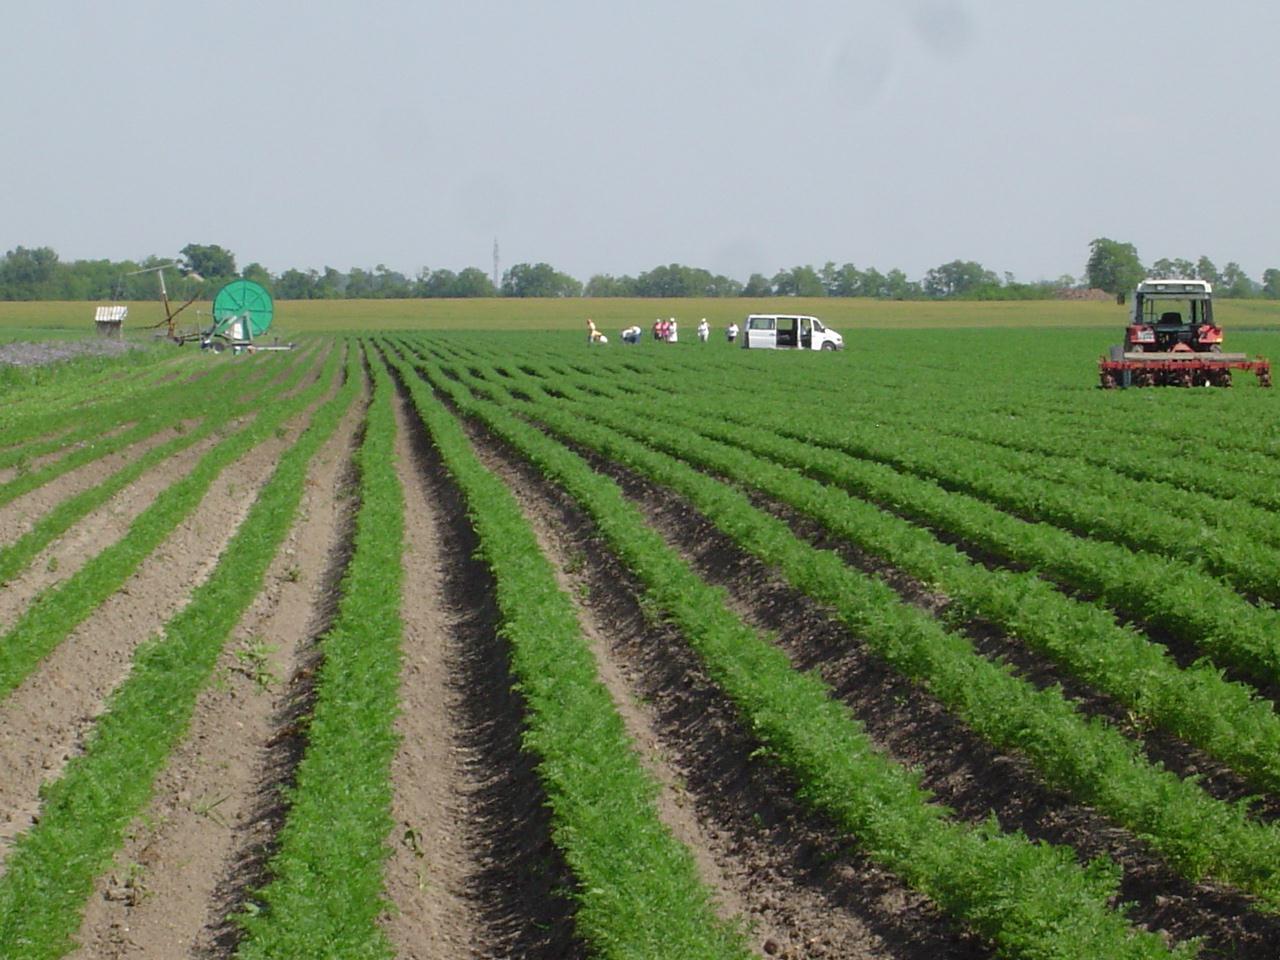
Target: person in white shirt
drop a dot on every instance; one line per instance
(704, 330)
(731, 332)
(673, 333)
(632, 334)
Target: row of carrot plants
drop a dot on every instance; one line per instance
(325, 893)
(1224, 718)
(637, 890)
(1135, 432)
(122, 402)
(1166, 593)
(1189, 493)
(50, 871)
(1152, 452)
(1199, 835)
(58, 609)
(84, 380)
(217, 415)
(1140, 459)
(107, 428)
(1031, 900)
(1079, 499)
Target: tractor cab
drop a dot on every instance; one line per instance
(1172, 316)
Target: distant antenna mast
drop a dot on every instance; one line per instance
(495, 263)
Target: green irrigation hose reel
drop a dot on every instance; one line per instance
(242, 313)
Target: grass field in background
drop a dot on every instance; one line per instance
(294, 318)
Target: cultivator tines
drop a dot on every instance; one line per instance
(1178, 370)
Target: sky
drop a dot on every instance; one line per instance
(603, 137)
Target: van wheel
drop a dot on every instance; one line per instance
(828, 345)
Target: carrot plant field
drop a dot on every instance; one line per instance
(441, 644)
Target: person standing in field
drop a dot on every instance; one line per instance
(731, 332)
(593, 335)
(704, 330)
(673, 334)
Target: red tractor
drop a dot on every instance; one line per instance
(1172, 341)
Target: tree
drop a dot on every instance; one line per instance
(798, 282)
(1205, 270)
(1114, 267)
(474, 282)
(439, 283)
(843, 281)
(210, 261)
(296, 285)
(538, 280)
(897, 287)
(258, 274)
(757, 286)
(1234, 283)
(722, 286)
(957, 278)
(1271, 283)
(28, 274)
(874, 283)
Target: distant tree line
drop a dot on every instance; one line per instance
(1113, 266)
(1116, 268)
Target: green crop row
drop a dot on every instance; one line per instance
(97, 428)
(1147, 453)
(57, 610)
(1166, 593)
(1226, 719)
(638, 893)
(1199, 835)
(48, 387)
(116, 404)
(1031, 900)
(14, 557)
(49, 874)
(325, 893)
(1222, 537)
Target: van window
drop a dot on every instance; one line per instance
(760, 323)
(817, 325)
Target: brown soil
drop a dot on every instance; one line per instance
(795, 881)
(18, 516)
(93, 533)
(473, 871)
(186, 864)
(43, 722)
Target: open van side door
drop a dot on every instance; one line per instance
(761, 332)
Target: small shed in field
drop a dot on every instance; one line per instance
(110, 321)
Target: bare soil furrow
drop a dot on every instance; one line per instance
(62, 558)
(43, 722)
(965, 773)
(802, 889)
(473, 872)
(172, 885)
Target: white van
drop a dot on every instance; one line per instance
(771, 331)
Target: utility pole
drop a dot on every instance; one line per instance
(495, 264)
